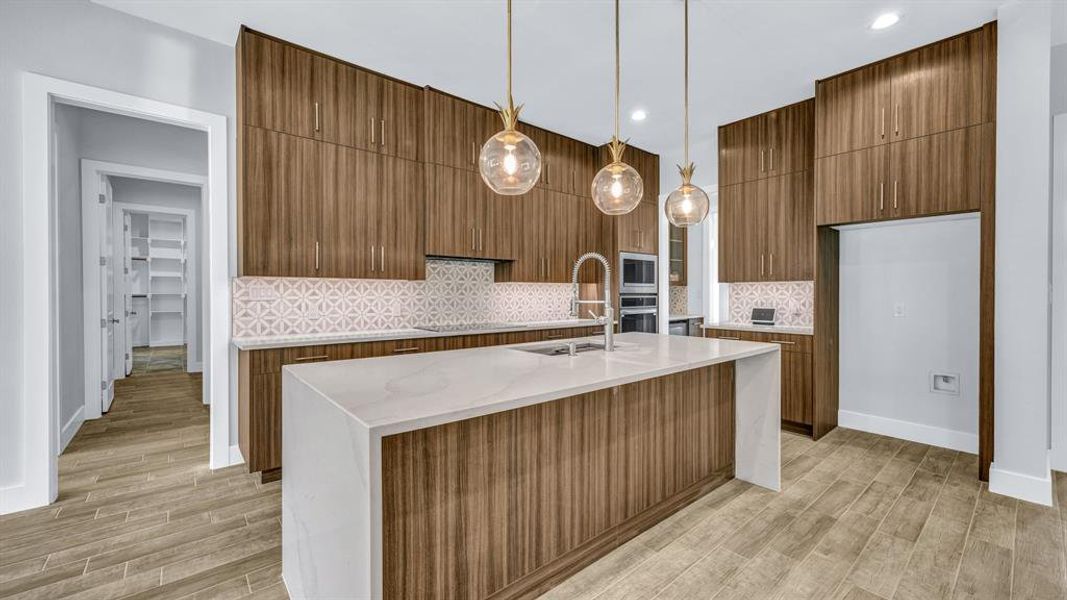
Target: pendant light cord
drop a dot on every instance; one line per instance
(686, 112)
(510, 101)
(616, 69)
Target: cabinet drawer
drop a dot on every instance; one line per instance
(789, 342)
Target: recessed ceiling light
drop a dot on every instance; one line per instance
(638, 115)
(885, 20)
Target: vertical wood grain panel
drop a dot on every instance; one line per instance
(825, 358)
(505, 505)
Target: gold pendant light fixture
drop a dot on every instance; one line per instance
(617, 188)
(688, 204)
(510, 162)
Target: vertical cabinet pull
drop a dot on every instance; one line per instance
(372, 131)
(894, 194)
(472, 238)
(381, 253)
(772, 264)
(382, 137)
(316, 255)
(896, 119)
(761, 271)
(883, 122)
(761, 161)
(772, 160)
(372, 259)
(316, 116)
(480, 246)
(881, 196)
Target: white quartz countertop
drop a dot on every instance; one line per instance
(763, 328)
(318, 339)
(393, 394)
(683, 317)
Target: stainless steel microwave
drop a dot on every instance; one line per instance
(637, 273)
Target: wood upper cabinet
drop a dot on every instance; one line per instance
(275, 85)
(939, 87)
(775, 143)
(350, 216)
(546, 238)
(456, 130)
(638, 230)
(400, 125)
(851, 110)
(280, 204)
(850, 187)
(788, 135)
(938, 174)
(739, 151)
(788, 214)
(740, 231)
(465, 218)
(400, 219)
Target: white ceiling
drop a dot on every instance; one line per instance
(746, 56)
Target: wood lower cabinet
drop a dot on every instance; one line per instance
(798, 384)
(260, 380)
(510, 504)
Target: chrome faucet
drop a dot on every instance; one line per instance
(609, 313)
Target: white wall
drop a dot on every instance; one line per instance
(93, 45)
(1021, 438)
(928, 269)
(183, 197)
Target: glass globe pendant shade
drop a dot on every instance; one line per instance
(510, 163)
(617, 189)
(687, 205)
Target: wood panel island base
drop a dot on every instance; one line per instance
(498, 472)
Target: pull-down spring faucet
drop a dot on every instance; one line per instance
(609, 313)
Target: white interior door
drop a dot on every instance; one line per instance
(127, 292)
(107, 296)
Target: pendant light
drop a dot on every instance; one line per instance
(617, 188)
(688, 204)
(510, 162)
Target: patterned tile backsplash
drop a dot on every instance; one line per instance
(453, 292)
(679, 300)
(794, 301)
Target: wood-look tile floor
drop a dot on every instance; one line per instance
(860, 517)
(141, 515)
(158, 359)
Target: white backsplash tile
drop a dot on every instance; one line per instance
(794, 301)
(453, 292)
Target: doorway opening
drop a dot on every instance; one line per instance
(70, 128)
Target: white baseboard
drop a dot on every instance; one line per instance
(1019, 485)
(15, 498)
(66, 433)
(907, 430)
(235, 455)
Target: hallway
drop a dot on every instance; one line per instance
(141, 515)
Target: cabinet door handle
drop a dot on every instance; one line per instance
(372, 131)
(554, 336)
(383, 133)
(316, 116)
(896, 119)
(881, 196)
(894, 194)
(407, 349)
(316, 357)
(316, 256)
(761, 265)
(772, 160)
(772, 264)
(480, 245)
(883, 123)
(381, 252)
(472, 238)
(761, 161)
(473, 154)
(372, 259)
(783, 342)
(727, 337)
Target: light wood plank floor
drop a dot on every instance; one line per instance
(860, 517)
(141, 515)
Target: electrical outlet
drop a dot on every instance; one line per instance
(899, 311)
(945, 383)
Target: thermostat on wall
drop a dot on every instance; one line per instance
(763, 316)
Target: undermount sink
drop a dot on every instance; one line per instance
(563, 349)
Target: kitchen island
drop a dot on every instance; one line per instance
(498, 472)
